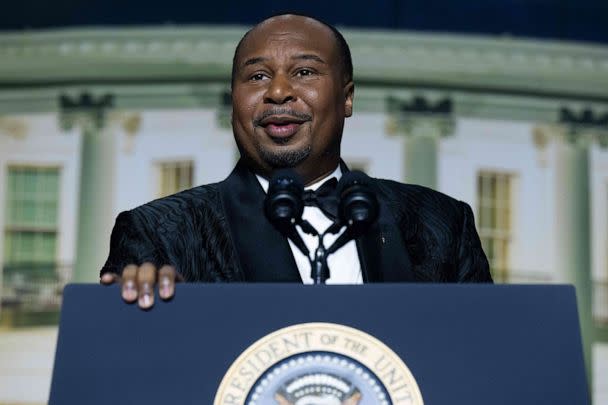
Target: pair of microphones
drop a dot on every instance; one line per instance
(357, 210)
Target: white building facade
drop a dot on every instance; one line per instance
(96, 122)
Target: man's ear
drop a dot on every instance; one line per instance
(349, 95)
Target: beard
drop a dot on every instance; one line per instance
(284, 158)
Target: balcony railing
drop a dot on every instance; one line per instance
(509, 276)
(34, 287)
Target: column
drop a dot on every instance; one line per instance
(224, 118)
(97, 180)
(423, 123)
(572, 226)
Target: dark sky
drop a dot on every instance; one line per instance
(582, 20)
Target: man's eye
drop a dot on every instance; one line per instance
(304, 72)
(258, 76)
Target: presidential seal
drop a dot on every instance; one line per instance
(318, 364)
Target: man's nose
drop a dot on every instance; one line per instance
(280, 91)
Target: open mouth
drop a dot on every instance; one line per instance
(281, 127)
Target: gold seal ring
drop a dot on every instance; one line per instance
(298, 349)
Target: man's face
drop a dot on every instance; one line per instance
(290, 97)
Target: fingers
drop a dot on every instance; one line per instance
(138, 283)
(166, 282)
(109, 278)
(129, 286)
(146, 280)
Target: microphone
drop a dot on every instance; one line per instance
(284, 206)
(358, 208)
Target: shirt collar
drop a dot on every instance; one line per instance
(336, 173)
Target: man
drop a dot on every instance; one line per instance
(292, 88)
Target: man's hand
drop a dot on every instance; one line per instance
(138, 283)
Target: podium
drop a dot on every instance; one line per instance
(371, 344)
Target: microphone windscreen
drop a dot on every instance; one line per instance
(358, 202)
(283, 204)
(349, 179)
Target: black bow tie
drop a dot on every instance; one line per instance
(324, 198)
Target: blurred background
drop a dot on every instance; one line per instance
(105, 105)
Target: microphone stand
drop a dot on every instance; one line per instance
(319, 269)
(283, 207)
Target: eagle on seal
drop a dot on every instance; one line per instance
(318, 389)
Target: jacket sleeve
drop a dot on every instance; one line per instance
(472, 262)
(130, 243)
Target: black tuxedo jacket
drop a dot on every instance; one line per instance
(218, 232)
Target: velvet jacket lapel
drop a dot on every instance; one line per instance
(264, 254)
(382, 251)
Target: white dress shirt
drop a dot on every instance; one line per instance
(343, 264)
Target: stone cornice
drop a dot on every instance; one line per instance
(199, 54)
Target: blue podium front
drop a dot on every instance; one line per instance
(376, 344)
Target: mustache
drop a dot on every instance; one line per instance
(257, 121)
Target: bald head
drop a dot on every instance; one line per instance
(342, 47)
